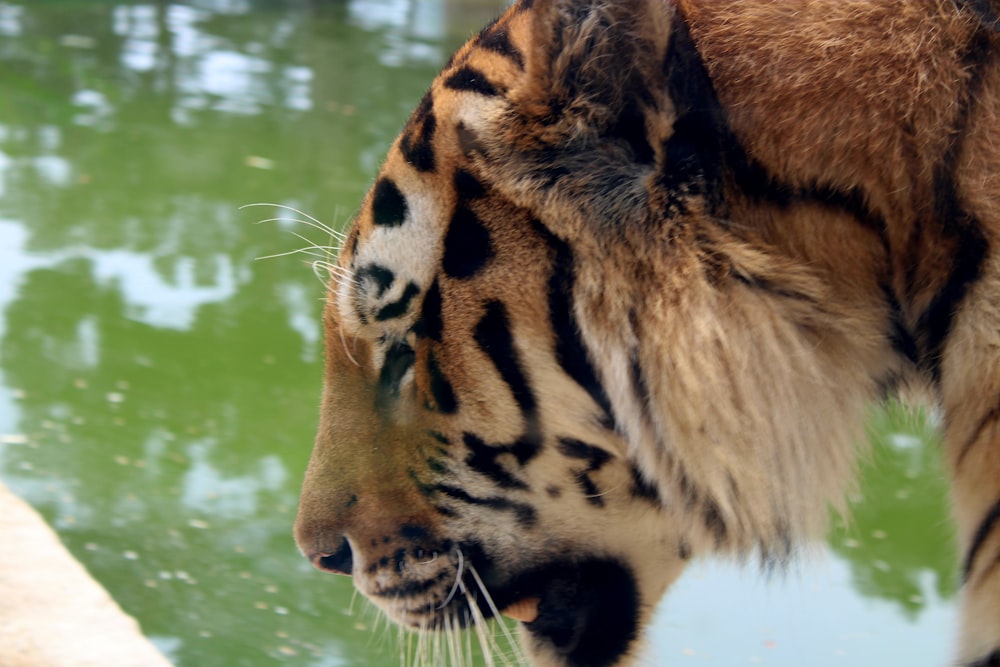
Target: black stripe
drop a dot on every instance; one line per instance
(595, 458)
(388, 204)
(441, 389)
(771, 287)
(703, 147)
(440, 437)
(989, 417)
(630, 127)
(577, 449)
(970, 243)
(714, 522)
(417, 145)
(445, 511)
(493, 336)
(472, 80)
(524, 513)
(982, 533)
(467, 186)
(438, 467)
(430, 325)
(467, 245)
(643, 489)
(639, 387)
(936, 321)
(495, 38)
(571, 353)
(382, 276)
(483, 459)
(408, 588)
(900, 336)
(352, 240)
(398, 359)
(399, 307)
(693, 154)
(423, 110)
(689, 492)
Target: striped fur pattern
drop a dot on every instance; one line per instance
(625, 289)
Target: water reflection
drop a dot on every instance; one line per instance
(158, 386)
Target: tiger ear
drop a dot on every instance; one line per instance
(589, 56)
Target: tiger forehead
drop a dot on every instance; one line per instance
(478, 76)
(497, 52)
(423, 214)
(474, 81)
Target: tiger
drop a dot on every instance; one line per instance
(624, 292)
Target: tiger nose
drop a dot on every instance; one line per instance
(323, 540)
(340, 561)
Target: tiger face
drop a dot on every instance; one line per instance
(588, 325)
(446, 480)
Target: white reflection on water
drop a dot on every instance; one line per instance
(209, 490)
(167, 303)
(15, 262)
(297, 299)
(52, 169)
(10, 19)
(214, 75)
(95, 110)
(413, 30)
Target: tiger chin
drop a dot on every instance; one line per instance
(625, 290)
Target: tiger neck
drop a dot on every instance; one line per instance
(867, 125)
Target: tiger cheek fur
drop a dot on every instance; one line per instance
(622, 294)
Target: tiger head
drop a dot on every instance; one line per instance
(484, 440)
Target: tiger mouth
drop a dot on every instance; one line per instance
(585, 612)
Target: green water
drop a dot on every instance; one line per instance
(159, 384)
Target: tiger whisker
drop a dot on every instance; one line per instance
(381, 625)
(461, 648)
(336, 271)
(335, 268)
(467, 617)
(333, 272)
(404, 640)
(343, 342)
(331, 250)
(318, 266)
(336, 237)
(605, 492)
(312, 222)
(511, 639)
(458, 580)
(486, 641)
(407, 648)
(449, 639)
(299, 251)
(354, 598)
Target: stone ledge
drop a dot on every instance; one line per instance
(52, 612)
